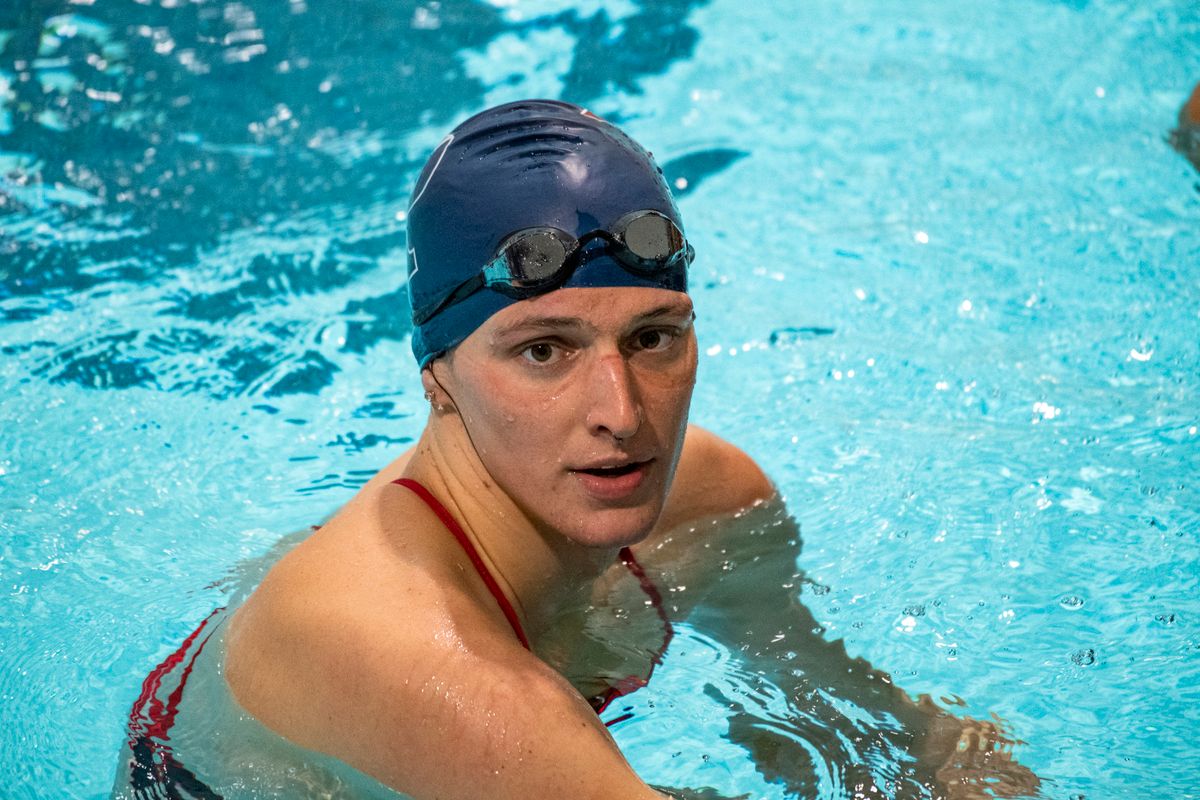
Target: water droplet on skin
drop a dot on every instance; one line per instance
(1084, 658)
(1071, 602)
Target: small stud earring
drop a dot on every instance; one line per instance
(428, 396)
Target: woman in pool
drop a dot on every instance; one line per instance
(432, 633)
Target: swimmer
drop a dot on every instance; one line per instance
(430, 633)
(1186, 137)
(1189, 115)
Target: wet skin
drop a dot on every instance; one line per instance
(558, 435)
(579, 417)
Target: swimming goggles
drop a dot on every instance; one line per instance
(533, 261)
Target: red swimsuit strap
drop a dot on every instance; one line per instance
(461, 536)
(620, 688)
(632, 683)
(150, 720)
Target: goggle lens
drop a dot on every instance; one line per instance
(537, 259)
(534, 258)
(651, 237)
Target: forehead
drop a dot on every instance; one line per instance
(590, 308)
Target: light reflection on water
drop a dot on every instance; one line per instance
(946, 291)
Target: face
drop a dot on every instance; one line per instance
(576, 402)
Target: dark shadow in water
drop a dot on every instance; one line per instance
(612, 56)
(141, 138)
(686, 173)
(212, 116)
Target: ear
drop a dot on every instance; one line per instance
(435, 393)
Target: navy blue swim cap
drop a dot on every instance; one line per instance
(528, 164)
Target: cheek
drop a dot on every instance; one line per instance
(509, 424)
(668, 393)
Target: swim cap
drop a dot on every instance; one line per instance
(521, 165)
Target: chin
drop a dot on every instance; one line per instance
(613, 527)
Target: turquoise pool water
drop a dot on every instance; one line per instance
(948, 289)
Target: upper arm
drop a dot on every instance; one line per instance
(443, 716)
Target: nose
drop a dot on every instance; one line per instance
(614, 406)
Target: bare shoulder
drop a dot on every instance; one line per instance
(714, 477)
(311, 624)
(369, 654)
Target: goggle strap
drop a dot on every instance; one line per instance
(498, 274)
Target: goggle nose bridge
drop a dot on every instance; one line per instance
(509, 274)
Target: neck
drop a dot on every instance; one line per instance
(537, 568)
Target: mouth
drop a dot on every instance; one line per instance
(614, 471)
(613, 481)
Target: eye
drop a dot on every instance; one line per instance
(655, 339)
(539, 353)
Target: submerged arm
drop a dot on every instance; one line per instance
(755, 601)
(744, 589)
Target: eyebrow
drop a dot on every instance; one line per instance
(540, 323)
(574, 323)
(674, 310)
